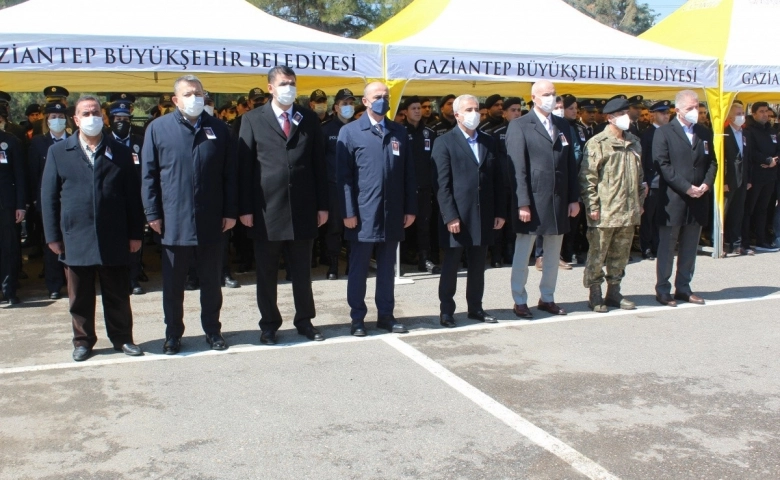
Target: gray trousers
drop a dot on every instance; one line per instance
(688, 236)
(523, 246)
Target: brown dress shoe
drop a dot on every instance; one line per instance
(539, 264)
(550, 307)
(563, 265)
(522, 311)
(666, 300)
(695, 299)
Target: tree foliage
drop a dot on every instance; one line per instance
(625, 15)
(348, 18)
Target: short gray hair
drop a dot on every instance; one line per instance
(461, 99)
(87, 98)
(685, 94)
(186, 79)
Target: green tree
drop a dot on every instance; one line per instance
(625, 15)
(347, 18)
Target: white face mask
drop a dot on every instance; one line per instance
(57, 125)
(91, 126)
(623, 122)
(739, 120)
(347, 111)
(285, 94)
(320, 108)
(558, 112)
(470, 120)
(692, 116)
(209, 109)
(546, 104)
(192, 106)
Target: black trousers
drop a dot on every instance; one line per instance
(244, 245)
(175, 264)
(475, 278)
(116, 304)
(734, 213)
(422, 223)
(648, 230)
(688, 237)
(10, 252)
(756, 205)
(568, 245)
(135, 263)
(298, 257)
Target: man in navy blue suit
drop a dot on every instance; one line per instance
(379, 200)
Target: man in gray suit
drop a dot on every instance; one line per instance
(544, 176)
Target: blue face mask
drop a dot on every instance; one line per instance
(381, 106)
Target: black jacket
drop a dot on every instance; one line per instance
(421, 141)
(649, 172)
(13, 185)
(189, 179)
(94, 210)
(763, 143)
(737, 165)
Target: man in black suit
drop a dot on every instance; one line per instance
(648, 230)
(190, 198)
(736, 182)
(93, 219)
(119, 116)
(685, 159)
(13, 200)
(764, 156)
(469, 188)
(284, 198)
(543, 170)
(56, 122)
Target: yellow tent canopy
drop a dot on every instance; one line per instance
(97, 54)
(726, 29)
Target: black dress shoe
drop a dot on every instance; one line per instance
(229, 282)
(666, 300)
(54, 295)
(391, 325)
(268, 338)
(358, 330)
(136, 288)
(81, 353)
(172, 345)
(497, 265)
(311, 333)
(446, 320)
(648, 255)
(14, 300)
(191, 285)
(130, 349)
(482, 316)
(216, 341)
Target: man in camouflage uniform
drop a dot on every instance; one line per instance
(613, 191)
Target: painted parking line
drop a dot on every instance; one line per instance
(504, 323)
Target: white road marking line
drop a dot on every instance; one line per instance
(504, 323)
(578, 461)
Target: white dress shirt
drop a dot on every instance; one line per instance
(278, 113)
(546, 121)
(688, 130)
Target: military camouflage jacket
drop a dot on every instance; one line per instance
(611, 180)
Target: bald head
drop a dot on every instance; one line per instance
(372, 88)
(542, 86)
(543, 96)
(373, 92)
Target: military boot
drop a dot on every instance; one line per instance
(615, 299)
(595, 301)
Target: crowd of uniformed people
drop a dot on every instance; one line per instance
(282, 181)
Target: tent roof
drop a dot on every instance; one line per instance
(198, 36)
(439, 40)
(726, 29)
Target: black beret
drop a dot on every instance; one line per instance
(482, 106)
(409, 101)
(32, 108)
(117, 97)
(568, 100)
(661, 106)
(491, 100)
(616, 105)
(636, 101)
(54, 107)
(446, 98)
(5, 98)
(512, 101)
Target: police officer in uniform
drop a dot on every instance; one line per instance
(575, 240)
(648, 230)
(343, 113)
(54, 94)
(318, 102)
(130, 99)
(446, 116)
(587, 120)
(13, 199)
(495, 114)
(504, 239)
(421, 140)
(120, 121)
(635, 105)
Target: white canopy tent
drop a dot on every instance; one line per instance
(433, 54)
(93, 51)
(747, 66)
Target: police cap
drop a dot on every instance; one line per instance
(344, 94)
(165, 101)
(616, 104)
(661, 106)
(121, 107)
(126, 97)
(590, 104)
(318, 96)
(255, 93)
(55, 91)
(636, 101)
(54, 107)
